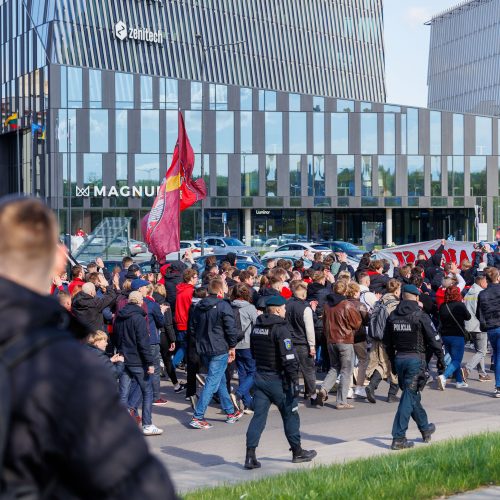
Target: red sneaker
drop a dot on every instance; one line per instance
(160, 402)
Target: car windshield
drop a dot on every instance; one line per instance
(320, 247)
(349, 246)
(233, 242)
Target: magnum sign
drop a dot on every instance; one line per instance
(122, 31)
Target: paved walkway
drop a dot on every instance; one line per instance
(482, 494)
(200, 458)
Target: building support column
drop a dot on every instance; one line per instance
(247, 214)
(388, 226)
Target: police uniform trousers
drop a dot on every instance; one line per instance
(409, 369)
(269, 390)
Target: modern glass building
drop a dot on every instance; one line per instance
(464, 59)
(275, 162)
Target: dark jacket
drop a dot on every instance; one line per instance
(449, 327)
(214, 326)
(88, 310)
(272, 347)
(409, 331)
(378, 282)
(131, 336)
(173, 277)
(360, 335)
(265, 293)
(488, 307)
(115, 368)
(433, 265)
(156, 320)
(168, 330)
(64, 394)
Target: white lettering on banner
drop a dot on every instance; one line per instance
(454, 251)
(114, 192)
(140, 34)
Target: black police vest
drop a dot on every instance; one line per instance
(265, 353)
(407, 334)
(295, 315)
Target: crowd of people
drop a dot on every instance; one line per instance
(181, 323)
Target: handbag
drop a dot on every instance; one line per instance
(467, 335)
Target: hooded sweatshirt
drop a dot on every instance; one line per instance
(248, 317)
(182, 305)
(132, 337)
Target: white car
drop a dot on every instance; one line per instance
(296, 250)
(195, 247)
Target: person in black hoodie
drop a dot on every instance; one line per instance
(132, 338)
(408, 332)
(216, 338)
(433, 264)
(173, 277)
(62, 383)
(378, 279)
(452, 315)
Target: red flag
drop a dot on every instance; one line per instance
(191, 191)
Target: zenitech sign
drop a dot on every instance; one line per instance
(122, 32)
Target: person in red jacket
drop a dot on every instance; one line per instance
(77, 275)
(182, 304)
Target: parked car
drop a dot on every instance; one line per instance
(225, 245)
(243, 261)
(307, 262)
(195, 247)
(343, 246)
(135, 247)
(111, 264)
(296, 250)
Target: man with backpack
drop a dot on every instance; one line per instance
(379, 366)
(58, 381)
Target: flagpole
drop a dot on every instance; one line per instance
(18, 158)
(180, 192)
(33, 189)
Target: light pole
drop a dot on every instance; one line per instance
(203, 53)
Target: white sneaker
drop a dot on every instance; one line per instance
(360, 392)
(441, 381)
(461, 385)
(496, 394)
(350, 394)
(151, 430)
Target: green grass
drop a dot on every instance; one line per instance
(427, 472)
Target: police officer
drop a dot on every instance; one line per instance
(408, 332)
(276, 381)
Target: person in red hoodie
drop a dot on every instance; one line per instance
(182, 304)
(77, 279)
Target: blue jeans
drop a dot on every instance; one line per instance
(215, 382)
(494, 338)
(410, 404)
(143, 380)
(181, 348)
(455, 347)
(155, 351)
(246, 372)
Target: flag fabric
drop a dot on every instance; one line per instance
(191, 190)
(178, 191)
(11, 120)
(36, 127)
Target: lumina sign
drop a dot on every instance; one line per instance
(122, 32)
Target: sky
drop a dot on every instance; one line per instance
(407, 48)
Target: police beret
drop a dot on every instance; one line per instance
(276, 300)
(411, 289)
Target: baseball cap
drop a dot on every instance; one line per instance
(276, 300)
(411, 289)
(134, 268)
(138, 283)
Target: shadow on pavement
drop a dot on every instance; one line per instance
(202, 459)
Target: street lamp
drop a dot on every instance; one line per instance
(203, 53)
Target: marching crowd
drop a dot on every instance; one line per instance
(73, 415)
(349, 324)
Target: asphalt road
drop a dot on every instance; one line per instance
(197, 458)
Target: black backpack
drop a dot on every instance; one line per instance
(19, 349)
(378, 319)
(237, 320)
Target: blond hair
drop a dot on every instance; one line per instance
(97, 336)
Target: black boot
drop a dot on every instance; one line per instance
(426, 435)
(401, 444)
(300, 455)
(251, 461)
(372, 386)
(393, 390)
